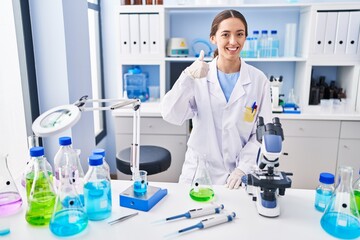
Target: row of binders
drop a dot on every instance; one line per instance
(139, 33)
(337, 32)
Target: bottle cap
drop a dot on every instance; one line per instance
(65, 141)
(99, 151)
(95, 160)
(326, 178)
(36, 151)
(256, 32)
(264, 31)
(273, 32)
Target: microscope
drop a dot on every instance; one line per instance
(265, 183)
(275, 85)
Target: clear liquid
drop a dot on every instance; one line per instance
(341, 225)
(10, 202)
(322, 198)
(40, 208)
(140, 188)
(357, 199)
(97, 196)
(68, 222)
(202, 194)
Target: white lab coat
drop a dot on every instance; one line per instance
(219, 129)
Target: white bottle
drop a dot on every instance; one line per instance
(274, 44)
(69, 157)
(254, 45)
(263, 46)
(100, 151)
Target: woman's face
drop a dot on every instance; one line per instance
(229, 38)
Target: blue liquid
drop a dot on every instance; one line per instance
(97, 196)
(140, 188)
(322, 198)
(341, 225)
(68, 222)
(74, 202)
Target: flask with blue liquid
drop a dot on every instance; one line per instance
(341, 216)
(324, 191)
(97, 190)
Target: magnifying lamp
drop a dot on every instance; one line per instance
(61, 118)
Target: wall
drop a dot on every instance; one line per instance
(12, 123)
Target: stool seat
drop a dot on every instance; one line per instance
(153, 159)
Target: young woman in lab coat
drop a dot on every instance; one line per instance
(224, 99)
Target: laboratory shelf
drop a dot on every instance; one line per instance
(207, 59)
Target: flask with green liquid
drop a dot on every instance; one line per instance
(41, 194)
(201, 186)
(357, 193)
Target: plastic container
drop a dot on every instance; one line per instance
(68, 157)
(274, 43)
(356, 188)
(254, 45)
(97, 190)
(40, 190)
(324, 191)
(136, 85)
(263, 45)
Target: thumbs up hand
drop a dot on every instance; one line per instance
(199, 68)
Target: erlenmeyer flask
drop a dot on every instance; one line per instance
(341, 218)
(69, 217)
(10, 199)
(41, 196)
(33, 141)
(201, 186)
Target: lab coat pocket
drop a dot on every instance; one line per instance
(249, 114)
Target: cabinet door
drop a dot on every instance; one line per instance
(307, 158)
(349, 154)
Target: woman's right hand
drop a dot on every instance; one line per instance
(199, 68)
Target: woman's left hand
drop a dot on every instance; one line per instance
(234, 179)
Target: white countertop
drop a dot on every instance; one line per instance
(152, 109)
(298, 219)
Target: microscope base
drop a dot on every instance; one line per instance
(266, 208)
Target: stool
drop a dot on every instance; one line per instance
(153, 159)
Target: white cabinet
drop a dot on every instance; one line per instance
(155, 131)
(349, 146)
(311, 147)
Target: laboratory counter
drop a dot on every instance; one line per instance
(298, 218)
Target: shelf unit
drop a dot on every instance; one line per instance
(193, 22)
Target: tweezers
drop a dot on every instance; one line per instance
(123, 218)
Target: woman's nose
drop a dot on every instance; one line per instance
(232, 39)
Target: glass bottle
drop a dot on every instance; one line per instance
(341, 218)
(67, 157)
(41, 193)
(97, 190)
(10, 199)
(357, 193)
(69, 217)
(263, 47)
(274, 44)
(101, 152)
(324, 191)
(201, 186)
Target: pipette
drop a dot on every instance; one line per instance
(210, 222)
(199, 212)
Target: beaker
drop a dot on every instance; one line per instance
(69, 217)
(10, 199)
(341, 218)
(201, 186)
(140, 183)
(41, 196)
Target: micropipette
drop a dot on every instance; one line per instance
(210, 222)
(199, 212)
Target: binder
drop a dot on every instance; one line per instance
(320, 32)
(134, 34)
(144, 33)
(353, 33)
(124, 34)
(330, 32)
(341, 32)
(154, 26)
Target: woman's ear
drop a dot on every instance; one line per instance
(213, 40)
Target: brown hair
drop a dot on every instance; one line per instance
(223, 16)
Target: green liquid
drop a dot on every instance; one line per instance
(41, 203)
(202, 194)
(357, 199)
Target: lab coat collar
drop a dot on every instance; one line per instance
(238, 90)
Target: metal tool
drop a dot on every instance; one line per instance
(123, 218)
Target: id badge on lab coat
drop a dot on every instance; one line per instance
(249, 114)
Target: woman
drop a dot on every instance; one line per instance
(224, 99)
